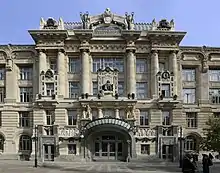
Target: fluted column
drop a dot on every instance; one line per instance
(61, 73)
(131, 72)
(42, 61)
(174, 69)
(85, 71)
(154, 71)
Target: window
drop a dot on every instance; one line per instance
(166, 90)
(141, 90)
(24, 119)
(121, 88)
(26, 73)
(25, 143)
(26, 94)
(94, 88)
(53, 65)
(144, 118)
(2, 141)
(214, 96)
(162, 66)
(73, 89)
(2, 94)
(188, 74)
(145, 149)
(189, 95)
(191, 119)
(166, 118)
(50, 89)
(216, 115)
(72, 118)
(190, 143)
(214, 75)
(141, 65)
(2, 73)
(50, 117)
(108, 113)
(101, 63)
(74, 65)
(72, 149)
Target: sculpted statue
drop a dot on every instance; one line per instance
(85, 20)
(131, 112)
(108, 86)
(107, 16)
(129, 20)
(88, 111)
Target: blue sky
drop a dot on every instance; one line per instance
(199, 18)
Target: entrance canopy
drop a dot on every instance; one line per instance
(108, 121)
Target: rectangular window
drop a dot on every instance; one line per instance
(141, 90)
(144, 118)
(24, 119)
(73, 89)
(94, 88)
(2, 94)
(145, 149)
(26, 73)
(120, 88)
(214, 95)
(191, 119)
(74, 65)
(166, 90)
(50, 89)
(166, 118)
(214, 75)
(26, 94)
(101, 63)
(189, 95)
(141, 65)
(72, 149)
(50, 117)
(53, 65)
(188, 75)
(2, 73)
(72, 118)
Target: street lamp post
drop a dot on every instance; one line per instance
(181, 148)
(36, 139)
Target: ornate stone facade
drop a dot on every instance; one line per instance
(105, 88)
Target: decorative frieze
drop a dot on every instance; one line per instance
(68, 132)
(145, 132)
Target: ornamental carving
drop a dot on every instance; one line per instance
(107, 16)
(68, 132)
(145, 132)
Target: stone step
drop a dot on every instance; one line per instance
(8, 157)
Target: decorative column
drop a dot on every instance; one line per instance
(154, 71)
(42, 61)
(174, 69)
(131, 71)
(100, 114)
(117, 113)
(85, 71)
(129, 151)
(61, 72)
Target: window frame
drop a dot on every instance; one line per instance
(191, 122)
(74, 95)
(189, 95)
(143, 88)
(72, 117)
(186, 73)
(24, 119)
(26, 94)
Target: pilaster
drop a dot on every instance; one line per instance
(203, 82)
(174, 69)
(154, 71)
(61, 73)
(42, 66)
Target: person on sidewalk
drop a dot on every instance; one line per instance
(188, 165)
(206, 162)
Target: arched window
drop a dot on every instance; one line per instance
(2, 140)
(190, 143)
(25, 143)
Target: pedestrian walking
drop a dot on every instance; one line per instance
(188, 165)
(207, 162)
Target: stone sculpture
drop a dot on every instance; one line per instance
(85, 20)
(129, 20)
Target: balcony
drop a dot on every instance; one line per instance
(46, 99)
(167, 101)
(215, 99)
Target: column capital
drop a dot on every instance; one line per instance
(174, 52)
(84, 49)
(130, 50)
(41, 51)
(61, 51)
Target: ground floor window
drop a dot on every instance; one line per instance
(145, 149)
(2, 140)
(72, 149)
(25, 143)
(190, 143)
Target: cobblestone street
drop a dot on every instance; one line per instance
(27, 167)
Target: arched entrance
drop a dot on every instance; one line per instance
(108, 139)
(192, 142)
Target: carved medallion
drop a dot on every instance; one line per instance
(107, 16)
